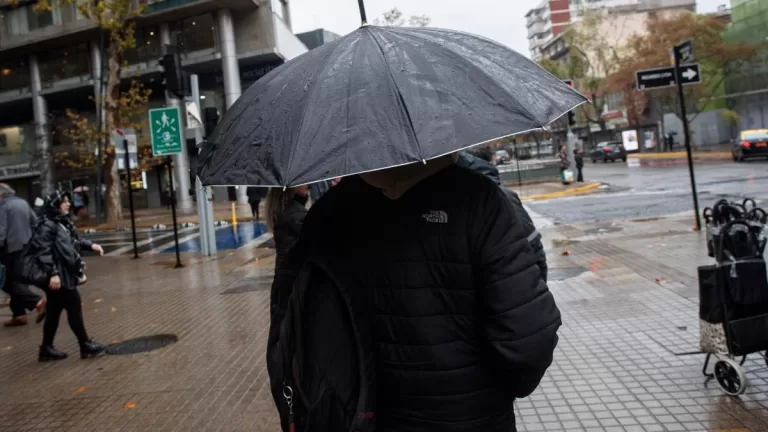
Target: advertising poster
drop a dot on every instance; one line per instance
(629, 139)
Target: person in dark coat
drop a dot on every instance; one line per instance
(480, 162)
(54, 262)
(255, 195)
(579, 164)
(462, 321)
(17, 220)
(286, 211)
(564, 162)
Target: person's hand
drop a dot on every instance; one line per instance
(55, 282)
(97, 248)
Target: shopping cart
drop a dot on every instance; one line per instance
(733, 293)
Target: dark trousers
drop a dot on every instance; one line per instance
(22, 298)
(255, 209)
(58, 301)
(580, 177)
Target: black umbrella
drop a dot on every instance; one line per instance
(376, 98)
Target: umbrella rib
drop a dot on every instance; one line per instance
(399, 94)
(320, 73)
(539, 124)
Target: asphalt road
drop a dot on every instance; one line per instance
(645, 189)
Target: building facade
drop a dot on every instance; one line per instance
(545, 22)
(747, 92)
(51, 62)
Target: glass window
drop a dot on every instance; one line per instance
(148, 46)
(16, 21)
(64, 63)
(197, 33)
(39, 20)
(14, 74)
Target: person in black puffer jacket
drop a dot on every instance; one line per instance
(53, 263)
(462, 321)
(480, 162)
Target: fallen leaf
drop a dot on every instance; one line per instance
(113, 309)
(115, 341)
(660, 281)
(81, 389)
(129, 405)
(566, 252)
(98, 300)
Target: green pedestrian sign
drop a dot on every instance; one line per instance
(165, 124)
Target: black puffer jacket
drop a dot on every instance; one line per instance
(54, 250)
(287, 228)
(463, 323)
(480, 166)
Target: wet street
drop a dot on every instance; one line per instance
(647, 189)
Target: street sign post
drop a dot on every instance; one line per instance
(682, 52)
(666, 77)
(681, 74)
(167, 134)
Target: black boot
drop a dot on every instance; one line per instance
(49, 353)
(91, 349)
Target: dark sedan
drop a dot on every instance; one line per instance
(751, 144)
(609, 151)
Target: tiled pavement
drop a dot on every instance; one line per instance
(627, 292)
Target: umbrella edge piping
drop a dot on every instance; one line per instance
(412, 162)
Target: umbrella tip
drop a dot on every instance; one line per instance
(424, 161)
(284, 188)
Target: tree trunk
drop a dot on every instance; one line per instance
(112, 121)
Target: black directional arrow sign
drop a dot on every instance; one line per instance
(665, 77)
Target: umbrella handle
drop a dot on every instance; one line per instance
(363, 18)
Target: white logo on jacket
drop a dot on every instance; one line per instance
(436, 216)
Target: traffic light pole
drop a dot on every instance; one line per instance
(686, 132)
(130, 197)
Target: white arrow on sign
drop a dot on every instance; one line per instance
(689, 74)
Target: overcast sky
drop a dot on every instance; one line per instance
(501, 20)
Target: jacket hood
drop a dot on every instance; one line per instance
(50, 208)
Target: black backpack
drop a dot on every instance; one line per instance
(326, 350)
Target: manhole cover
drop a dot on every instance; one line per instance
(561, 274)
(252, 284)
(142, 344)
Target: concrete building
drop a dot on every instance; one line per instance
(545, 22)
(51, 62)
(747, 91)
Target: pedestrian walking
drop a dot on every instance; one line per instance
(577, 157)
(286, 210)
(53, 262)
(462, 322)
(255, 195)
(17, 221)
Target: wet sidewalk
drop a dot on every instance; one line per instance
(625, 362)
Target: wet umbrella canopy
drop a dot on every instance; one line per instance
(376, 98)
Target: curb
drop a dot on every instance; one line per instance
(565, 193)
(680, 155)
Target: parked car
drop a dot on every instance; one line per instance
(751, 143)
(500, 157)
(609, 151)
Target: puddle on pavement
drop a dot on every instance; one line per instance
(142, 344)
(561, 274)
(250, 284)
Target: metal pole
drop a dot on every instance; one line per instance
(173, 212)
(130, 197)
(684, 114)
(204, 220)
(100, 127)
(517, 158)
(363, 18)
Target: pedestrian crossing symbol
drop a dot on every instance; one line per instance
(166, 131)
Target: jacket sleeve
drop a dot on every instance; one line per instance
(518, 312)
(83, 244)
(43, 244)
(3, 227)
